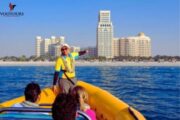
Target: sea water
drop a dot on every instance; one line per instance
(154, 91)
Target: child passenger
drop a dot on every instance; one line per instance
(82, 99)
(32, 96)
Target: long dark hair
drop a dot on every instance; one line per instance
(64, 107)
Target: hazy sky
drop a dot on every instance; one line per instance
(77, 20)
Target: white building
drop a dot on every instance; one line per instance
(105, 35)
(55, 42)
(46, 46)
(57, 50)
(38, 49)
(51, 46)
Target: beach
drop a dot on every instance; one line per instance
(87, 63)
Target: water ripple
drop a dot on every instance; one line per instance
(154, 91)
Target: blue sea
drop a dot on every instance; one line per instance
(154, 91)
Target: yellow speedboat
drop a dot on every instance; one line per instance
(106, 106)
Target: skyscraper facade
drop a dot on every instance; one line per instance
(105, 35)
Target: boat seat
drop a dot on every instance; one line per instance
(19, 113)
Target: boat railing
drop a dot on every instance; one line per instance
(24, 109)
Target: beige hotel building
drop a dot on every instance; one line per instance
(111, 47)
(136, 46)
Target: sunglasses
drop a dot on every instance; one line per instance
(64, 49)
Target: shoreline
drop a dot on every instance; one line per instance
(87, 63)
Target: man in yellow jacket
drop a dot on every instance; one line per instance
(64, 74)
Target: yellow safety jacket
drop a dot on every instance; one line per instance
(66, 63)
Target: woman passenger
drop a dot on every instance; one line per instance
(82, 99)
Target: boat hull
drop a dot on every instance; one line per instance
(106, 106)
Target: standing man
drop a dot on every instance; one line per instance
(65, 69)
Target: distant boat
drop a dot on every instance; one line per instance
(106, 106)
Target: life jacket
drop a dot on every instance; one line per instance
(68, 68)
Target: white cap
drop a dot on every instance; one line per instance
(65, 45)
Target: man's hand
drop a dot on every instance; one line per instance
(55, 89)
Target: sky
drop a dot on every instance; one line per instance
(77, 20)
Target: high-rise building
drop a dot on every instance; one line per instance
(55, 42)
(47, 46)
(38, 49)
(105, 35)
(50, 46)
(144, 45)
(123, 43)
(57, 51)
(139, 46)
(116, 47)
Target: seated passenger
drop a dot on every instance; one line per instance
(64, 107)
(32, 96)
(82, 99)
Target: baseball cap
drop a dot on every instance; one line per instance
(65, 45)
